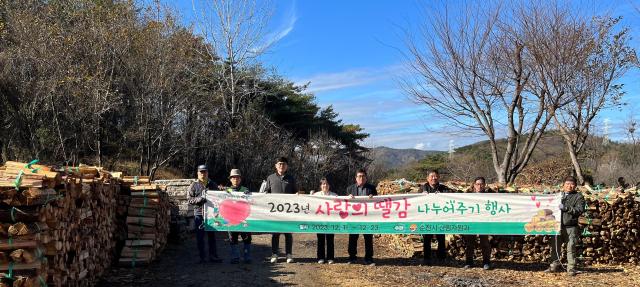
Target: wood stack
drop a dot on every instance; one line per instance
(611, 231)
(397, 186)
(148, 216)
(612, 227)
(50, 234)
(409, 245)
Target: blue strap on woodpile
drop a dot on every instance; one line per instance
(18, 180)
(42, 282)
(9, 274)
(29, 165)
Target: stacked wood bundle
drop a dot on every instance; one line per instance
(610, 233)
(612, 227)
(147, 221)
(57, 225)
(397, 186)
(611, 230)
(409, 245)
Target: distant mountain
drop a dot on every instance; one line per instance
(550, 145)
(548, 164)
(395, 158)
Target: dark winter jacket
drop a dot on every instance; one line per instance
(196, 191)
(281, 184)
(367, 189)
(426, 188)
(573, 206)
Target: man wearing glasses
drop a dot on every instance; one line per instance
(281, 182)
(433, 186)
(361, 188)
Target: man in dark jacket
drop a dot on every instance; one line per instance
(361, 188)
(479, 186)
(433, 186)
(281, 182)
(196, 198)
(572, 206)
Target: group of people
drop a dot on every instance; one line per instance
(572, 206)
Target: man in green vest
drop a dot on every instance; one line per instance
(236, 178)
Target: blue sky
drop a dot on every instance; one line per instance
(349, 53)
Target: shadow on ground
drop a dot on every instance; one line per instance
(177, 266)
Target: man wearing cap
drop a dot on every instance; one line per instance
(197, 199)
(236, 178)
(571, 207)
(281, 182)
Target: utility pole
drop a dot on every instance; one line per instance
(605, 136)
(451, 150)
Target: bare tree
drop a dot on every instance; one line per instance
(629, 153)
(317, 158)
(252, 146)
(61, 102)
(475, 72)
(234, 31)
(160, 82)
(601, 55)
(631, 128)
(377, 169)
(509, 71)
(123, 85)
(465, 167)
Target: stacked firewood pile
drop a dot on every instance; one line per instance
(397, 186)
(147, 221)
(57, 225)
(611, 230)
(409, 245)
(612, 227)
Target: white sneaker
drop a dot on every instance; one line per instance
(330, 261)
(321, 261)
(274, 258)
(289, 258)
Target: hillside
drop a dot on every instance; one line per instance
(549, 162)
(392, 158)
(550, 145)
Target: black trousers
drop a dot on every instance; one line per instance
(275, 243)
(471, 242)
(328, 238)
(246, 237)
(368, 246)
(442, 251)
(211, 238)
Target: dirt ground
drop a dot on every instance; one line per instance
(177, 266)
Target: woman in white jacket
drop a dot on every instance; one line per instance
(325, 190)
